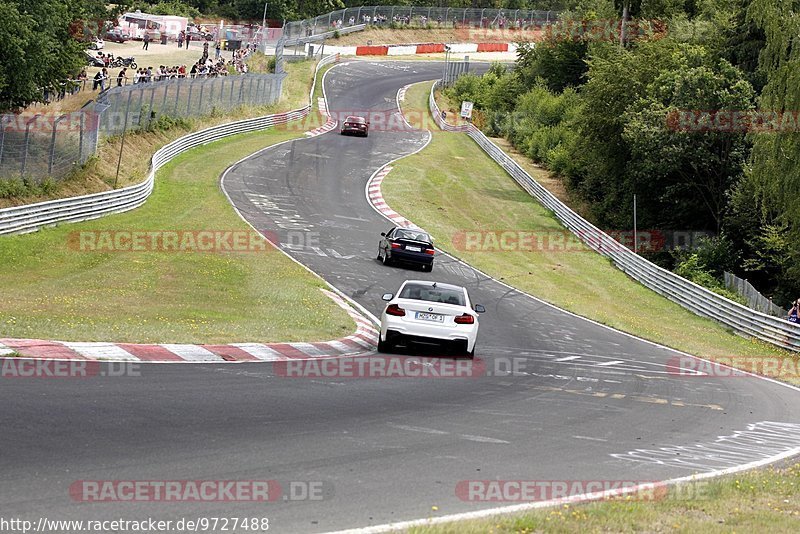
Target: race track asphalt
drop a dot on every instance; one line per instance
(584, 398)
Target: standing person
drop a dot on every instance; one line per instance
(793, 313)
(122, 76)
(217, 50)
(97, 79)
(103, 79)
(146, 41)
(180, 39)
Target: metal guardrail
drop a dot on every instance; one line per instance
(326, 35)
(696, 298)
(29, 218)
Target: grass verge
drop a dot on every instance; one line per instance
(756, 501)
(483, 198)
(53, 291)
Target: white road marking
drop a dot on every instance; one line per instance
(613, 362)
(483, 439)
(567, 359)
(419, 429)
(590, 439)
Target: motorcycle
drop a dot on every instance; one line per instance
(124, 62)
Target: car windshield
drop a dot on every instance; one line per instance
(443, 295)
(411, 234)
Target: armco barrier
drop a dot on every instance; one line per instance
(698, 299)
(31, 217)
(324, 36)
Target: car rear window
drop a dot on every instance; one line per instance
(410, 234)
(433, 294)
(359, 120)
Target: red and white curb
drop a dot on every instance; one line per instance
(376, 198)
(330, 122)
(361, 342)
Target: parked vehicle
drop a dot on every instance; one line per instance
(116, 35)
(96, 44)
(118, 62)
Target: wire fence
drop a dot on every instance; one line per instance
(421, 17)
(35, 146)
(754, 298)
(138, 105)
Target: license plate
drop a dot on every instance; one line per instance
(413, 249)
(435, 317)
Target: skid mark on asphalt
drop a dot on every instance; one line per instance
(761, 441)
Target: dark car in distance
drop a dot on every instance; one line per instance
(355, 125)
(406, 245)
(116, 35)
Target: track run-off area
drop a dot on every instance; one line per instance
(550, 396)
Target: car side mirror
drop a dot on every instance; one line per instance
(387, 296)
(383, 234)
(479, 308)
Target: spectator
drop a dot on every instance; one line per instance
(146, 41)
(793, 313)
(181, 35)
(217, 50)
(148, 74)
(188, 38)
(137, 76)
(97, 78)
(122, 76)
(193, 72)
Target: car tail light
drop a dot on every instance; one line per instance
(465, 319)
(394, 309)
(397, 245)
(430, 251)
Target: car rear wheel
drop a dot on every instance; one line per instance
(384, 346)
(427, 268)
(386, 259)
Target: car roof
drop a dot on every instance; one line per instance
(430, 284)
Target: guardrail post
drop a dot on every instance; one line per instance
(27, 140)
(166, 92)
(2, 136)
(189, 99)
(202, 90)
(177, 96)
(150, 111)
(358, 15)
(53, 145)
(241, 89)
(80, 136)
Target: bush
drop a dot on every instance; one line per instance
(26, 187)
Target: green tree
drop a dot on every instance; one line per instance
(37, 51)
